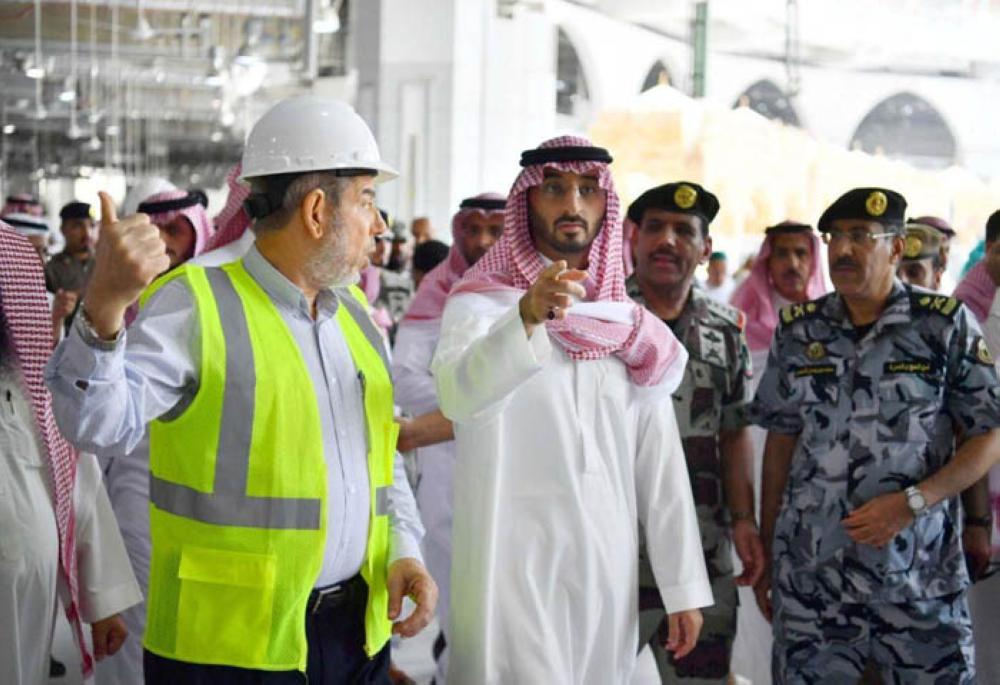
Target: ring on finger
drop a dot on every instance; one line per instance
(551, 314)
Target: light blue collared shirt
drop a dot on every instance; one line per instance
(105, 395)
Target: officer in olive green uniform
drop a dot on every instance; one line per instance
(670, 241)
(862, 396)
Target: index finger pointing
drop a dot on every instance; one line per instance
(554, 269)
(109, 215)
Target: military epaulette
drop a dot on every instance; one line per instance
(929, 302)
(728, 314)
(794, 312)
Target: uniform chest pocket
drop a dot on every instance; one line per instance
(907, 408)
(817, 397)
(704, 404)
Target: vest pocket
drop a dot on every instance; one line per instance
(225, 606)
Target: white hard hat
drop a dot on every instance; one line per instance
(310, 133)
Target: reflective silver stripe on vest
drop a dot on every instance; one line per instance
(229, 505)
(382, 501)
(365, 323)
(230, 509)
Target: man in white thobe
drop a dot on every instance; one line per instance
(980, 293)
(787, 269)
(475, 228)
(559, 388)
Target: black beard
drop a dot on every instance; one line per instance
(541, 232)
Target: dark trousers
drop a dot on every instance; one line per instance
(335, 630)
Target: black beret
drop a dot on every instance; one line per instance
(684, 197)
(923, 241)
(75, 210)
(868, 204)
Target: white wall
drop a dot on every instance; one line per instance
(457, 92)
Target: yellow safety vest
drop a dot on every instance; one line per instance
(238, 484)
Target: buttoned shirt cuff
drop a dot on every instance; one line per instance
(83, 357)
(403, 546)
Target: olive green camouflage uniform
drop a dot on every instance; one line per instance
(712, 398)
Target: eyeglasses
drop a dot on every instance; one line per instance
(858, 236)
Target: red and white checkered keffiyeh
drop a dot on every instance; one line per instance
(195, 214)
(428, 303)
(977, 291)
(646, 346)
(26, 310)
(753, 296)
(233, 221)
(23, 203)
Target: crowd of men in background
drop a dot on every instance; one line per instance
(605, 453)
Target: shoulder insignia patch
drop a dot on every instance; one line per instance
(941, 304)
(983, 354)
(712, 346)
(728, 314)
(793, 312)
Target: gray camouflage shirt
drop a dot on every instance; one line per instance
(873, 416)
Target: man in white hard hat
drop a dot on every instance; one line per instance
(284, 533)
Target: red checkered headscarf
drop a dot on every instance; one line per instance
(195, 214)
(23, 203)
(753, 296)
(428, 303)
(646, 346)
(233, 221)
(977, 291)
(26, 311)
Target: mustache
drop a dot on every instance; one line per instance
(791, 273)
(571, 219)
(662, 252)
(845, 262)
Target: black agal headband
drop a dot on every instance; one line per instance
(194, 197)
(483, 203)
(556, 155)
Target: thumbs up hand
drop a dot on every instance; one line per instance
(129, 255)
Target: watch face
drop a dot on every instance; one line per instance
(916, 501)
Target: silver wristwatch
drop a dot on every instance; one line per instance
(916, 501)
(86, 329)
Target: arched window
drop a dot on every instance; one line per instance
(768, 100)
(658, 74)
(572, 94)
(906, 126)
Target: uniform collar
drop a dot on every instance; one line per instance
(897, 308)
(283, 292)
(696, 305)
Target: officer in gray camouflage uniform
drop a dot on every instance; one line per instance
(922, 263)
(864, 394)
(670, 241)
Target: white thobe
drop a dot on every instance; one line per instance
(984, 596)
(557, 460)
(722, 292)
(754, 637)
(29, 546)
(416, 394)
